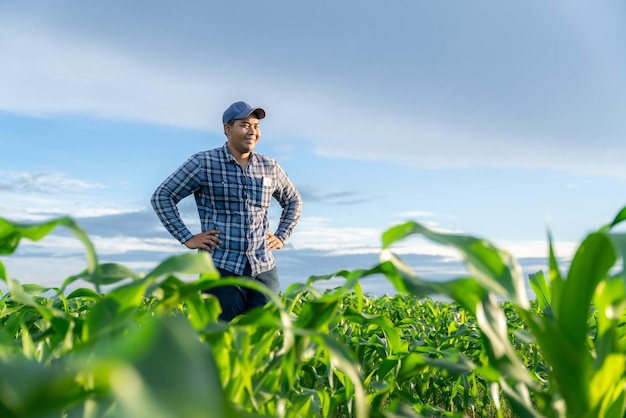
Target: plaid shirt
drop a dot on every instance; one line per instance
(234, 201)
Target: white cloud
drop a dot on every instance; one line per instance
(52, 73)
(45, 271)
(41, 207)
(537, 249)
(123, 244)
(43, 182)
(62, 245)
(416, 214)
(427, 144)
(321, 234)
(39, 196)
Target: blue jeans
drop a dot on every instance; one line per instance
(236, 300)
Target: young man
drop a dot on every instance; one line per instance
(233, 187)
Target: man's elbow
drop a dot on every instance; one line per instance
(159, 198)
(154, 199)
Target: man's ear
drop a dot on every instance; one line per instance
(227, 129)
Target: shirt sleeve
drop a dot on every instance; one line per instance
(291, 202)
(180, 184)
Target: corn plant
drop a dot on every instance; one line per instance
(579, 331)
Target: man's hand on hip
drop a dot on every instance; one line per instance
(204, 241)
(273, 243)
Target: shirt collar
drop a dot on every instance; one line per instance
(229, 154)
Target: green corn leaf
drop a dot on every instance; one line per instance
(161, 368)
(11, 234)
(388, 365)
(84, 293)
(403, 278)
(393, 338)
(29, 389)
(20, 295)
(493, 324)
(203, 309)
(606, 382)
(494, 269)
(411, 365)
(592, 261)
(318, 314)
(543, 293)
(610, 305)
(571, 365)
(106, 274)
(466, 291)
(343, 362)
(128, 296)
(613, 404)
(188, 263)
(555, 278)
(619, 218)
(3, 273)
(352, 276)
(619, 243)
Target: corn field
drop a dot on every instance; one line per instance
(151, 344)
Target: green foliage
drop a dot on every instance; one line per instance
(151, 345)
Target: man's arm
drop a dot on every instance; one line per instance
(180, 184)
(291, 202)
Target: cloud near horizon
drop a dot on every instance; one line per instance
(45, 183)
(139, 232)
(51, 260)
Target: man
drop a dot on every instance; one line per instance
(233, 186)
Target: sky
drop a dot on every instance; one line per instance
(502, 120)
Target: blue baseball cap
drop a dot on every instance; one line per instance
(241, 110)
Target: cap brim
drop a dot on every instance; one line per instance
(259, 112)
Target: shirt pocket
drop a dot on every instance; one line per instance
(261, 191)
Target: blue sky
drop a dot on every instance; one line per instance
(495, 119)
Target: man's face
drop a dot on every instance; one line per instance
(243, 134)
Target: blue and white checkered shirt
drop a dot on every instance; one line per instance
(234, 201)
